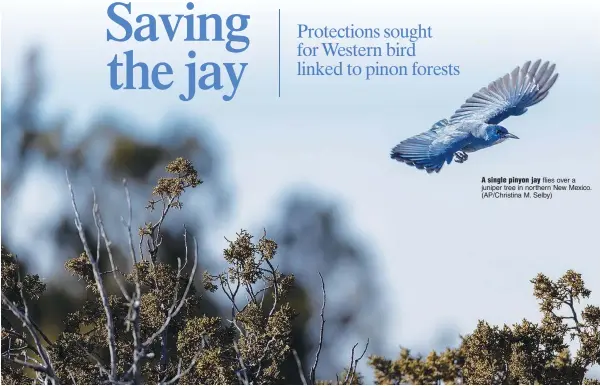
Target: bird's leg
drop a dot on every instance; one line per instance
(460, 157)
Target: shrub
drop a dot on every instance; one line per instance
(149, 331)
(524, 353)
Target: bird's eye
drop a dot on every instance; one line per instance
(498, 131)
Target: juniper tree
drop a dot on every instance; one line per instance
(524, 353)
(149, 329)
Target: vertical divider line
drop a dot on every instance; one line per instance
(279, 54)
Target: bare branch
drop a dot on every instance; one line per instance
(94, 359)
(264, 293)
(262, 358)
(137, 341)
(240, 379)
(72, 377)
(128, 223)
(35, 326)
(175, 308)
(361, 355)
(354, 363)
(243, 368)
(24, 318)
(34, 330)
(177, 279)
(141, 348)
(349, 374)
(135, 303)
(107, 243)
(16, 350)
(155, 239)
(98, 240)
(571, 305)
(141, 248)
(313, 370)
(186, 249)
(164, 380)
(184, 372)
(163, 338)
(29, 365)
(275, 288)
(299, 365)
(112, 346)
(230, 295)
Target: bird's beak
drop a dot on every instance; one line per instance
(509, 135)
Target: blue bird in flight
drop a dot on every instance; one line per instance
(475, 125)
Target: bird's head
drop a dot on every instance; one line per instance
(497, 134)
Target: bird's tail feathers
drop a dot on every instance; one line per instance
(416, 151)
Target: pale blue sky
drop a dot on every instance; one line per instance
(335, 135)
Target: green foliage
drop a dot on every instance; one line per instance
(524, 353)
(409, 369)
(31, 285)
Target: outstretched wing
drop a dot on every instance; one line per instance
(510, 95)
(429, 150)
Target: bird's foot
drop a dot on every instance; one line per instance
(460, 157)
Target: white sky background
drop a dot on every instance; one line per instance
(449, 257)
